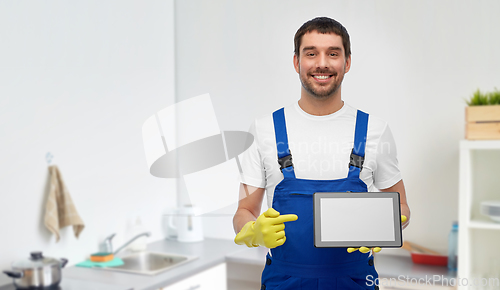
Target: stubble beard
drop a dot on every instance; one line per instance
(323, 94)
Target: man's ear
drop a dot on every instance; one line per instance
(296, 62)
(348, 64)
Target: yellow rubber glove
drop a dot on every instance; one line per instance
(365, 250)
(267, 231)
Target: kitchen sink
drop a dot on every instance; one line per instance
(150, 263)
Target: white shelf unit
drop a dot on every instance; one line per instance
(478, 236)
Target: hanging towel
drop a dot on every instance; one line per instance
(60, 211)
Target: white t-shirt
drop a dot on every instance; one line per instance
(321, 147)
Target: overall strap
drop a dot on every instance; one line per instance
(284, 154)
(358, 152)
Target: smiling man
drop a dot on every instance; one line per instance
(336, 148)
(322, 65)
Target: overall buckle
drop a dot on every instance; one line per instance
(285, 161)
(356, 160)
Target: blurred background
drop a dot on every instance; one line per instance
(79, 78)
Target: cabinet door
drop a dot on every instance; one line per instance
(210, 279)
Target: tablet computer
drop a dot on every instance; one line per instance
(357, 219)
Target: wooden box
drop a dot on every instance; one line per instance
(483, 122)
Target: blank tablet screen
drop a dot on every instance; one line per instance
(357, 219)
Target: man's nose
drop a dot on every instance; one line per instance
(322, 61)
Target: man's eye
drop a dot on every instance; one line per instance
(310, 54)
(333, 54)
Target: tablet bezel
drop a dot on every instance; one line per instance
(398, 242)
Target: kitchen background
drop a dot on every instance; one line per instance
(79, 78)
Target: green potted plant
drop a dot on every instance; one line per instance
(483, 116)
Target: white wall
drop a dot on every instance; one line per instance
(78, 79)
(413, 64)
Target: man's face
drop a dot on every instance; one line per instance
(322, 63)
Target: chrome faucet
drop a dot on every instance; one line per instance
(107, 245)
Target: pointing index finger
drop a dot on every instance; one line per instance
(286, 218)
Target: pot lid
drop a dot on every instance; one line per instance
(37, 260)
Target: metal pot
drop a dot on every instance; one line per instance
(37, 272)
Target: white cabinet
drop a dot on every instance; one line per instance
(479, 237)
(211, 279)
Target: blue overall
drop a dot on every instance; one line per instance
(297, 264)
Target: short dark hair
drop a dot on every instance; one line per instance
(323, 25)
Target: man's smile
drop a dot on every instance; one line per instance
(322, 77)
